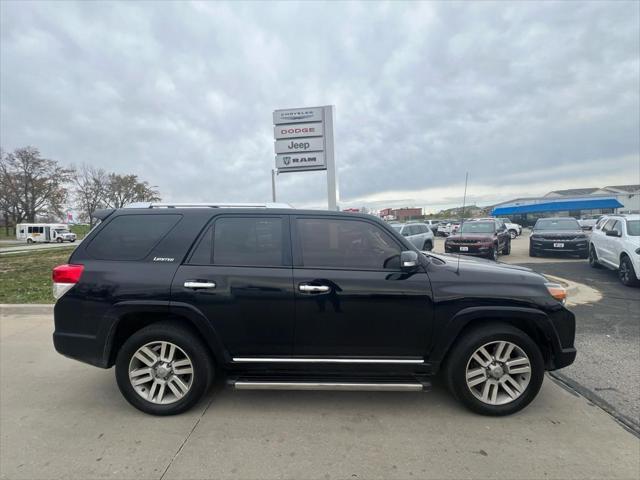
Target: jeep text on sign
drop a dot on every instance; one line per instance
(299, 145)
(300, 161)
(297, 115)
(297, 130)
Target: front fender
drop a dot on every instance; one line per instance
(524, 317)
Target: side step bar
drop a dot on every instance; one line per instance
(350, 386)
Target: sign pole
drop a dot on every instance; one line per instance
(332, 180)
(274, 172)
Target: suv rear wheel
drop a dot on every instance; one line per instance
(495, 370)
(626, 272)
(163, 369)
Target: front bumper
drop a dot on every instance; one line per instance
(580, 246)
(475, 249)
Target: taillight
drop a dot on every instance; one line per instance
(64, 277)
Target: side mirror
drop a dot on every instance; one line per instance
(613, 233)
(408, 260)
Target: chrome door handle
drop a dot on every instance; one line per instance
(195, 284)
(313, 288)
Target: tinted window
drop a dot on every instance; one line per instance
(248, 241)
(131, 237)
(203, 254)
(346, 244)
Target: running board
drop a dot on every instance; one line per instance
(350, 386)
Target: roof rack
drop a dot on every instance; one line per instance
(207, 205)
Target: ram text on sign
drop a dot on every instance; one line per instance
(297, 130)
(300, 145)
(297, 115)
(300, 161)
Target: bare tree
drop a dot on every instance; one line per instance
(125, 189)
(91, 187)
(32, 185)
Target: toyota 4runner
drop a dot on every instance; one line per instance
(276, 298)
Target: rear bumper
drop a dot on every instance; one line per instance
(84, 348)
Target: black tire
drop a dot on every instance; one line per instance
(506, 250)
(456, 367)
(59, 240)
(626, 272)
(493, 253)
(593, 258)
(513, 234)
(532, 252)
(29, 241)
(72, 240)
(198, 354)
(428, 245)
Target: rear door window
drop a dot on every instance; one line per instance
(131, 237)
(248, 241)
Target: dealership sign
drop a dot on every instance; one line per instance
(300, 161)
(303, 141)
(298, 130)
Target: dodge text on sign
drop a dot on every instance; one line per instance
(297, 130)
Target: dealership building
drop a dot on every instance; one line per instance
(575, 202)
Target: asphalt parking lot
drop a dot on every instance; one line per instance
(62, 419)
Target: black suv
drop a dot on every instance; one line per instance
(277, 298)
(558, 235)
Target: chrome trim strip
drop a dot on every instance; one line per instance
(411, 361)
(371, 387)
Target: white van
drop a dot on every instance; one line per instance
(44, 232)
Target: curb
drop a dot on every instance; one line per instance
(26, 308)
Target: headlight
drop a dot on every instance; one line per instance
(557, 291)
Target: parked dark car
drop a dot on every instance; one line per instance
(558, 235)
(277, 298)
(483, 238)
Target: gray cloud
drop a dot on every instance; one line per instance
(524, 96)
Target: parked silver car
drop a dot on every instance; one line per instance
(417, 233)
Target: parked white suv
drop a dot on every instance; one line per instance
(615, 244)
(514, 229)
(417, 233)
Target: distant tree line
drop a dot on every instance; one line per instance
(33, 187)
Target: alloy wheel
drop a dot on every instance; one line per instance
(624, 272)
(498, 373)
(161, 372)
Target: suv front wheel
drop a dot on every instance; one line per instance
(163, 369)
(496, 370)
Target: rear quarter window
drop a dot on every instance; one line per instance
(131, 237)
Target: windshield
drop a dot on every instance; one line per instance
(397, 227)
(478, 227)
(633, 228)
(60, 230)
(557, 224)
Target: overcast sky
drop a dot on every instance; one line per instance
(526, 97)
